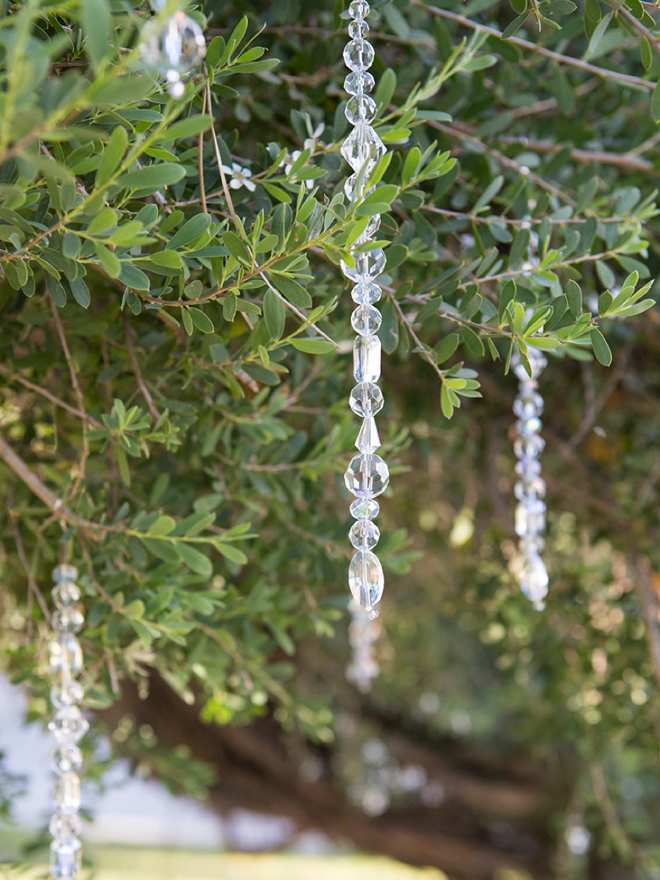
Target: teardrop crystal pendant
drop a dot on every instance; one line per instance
(530, 487)
(173, 48)
(68, 726)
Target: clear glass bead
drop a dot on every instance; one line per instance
(68, 619)
(532, 486)
(63, 573)
(358, 29)
(366, 293)
(367, 476)
(365, 508)
(65, 593)
(530, 517)
(359, 9)
(529, 447)
(368, 440)
(528, 405)
(368, 265)
(64, 827)
(360, 110)
(359, 83)
(534, 579)
(364, 534)
(358, 55)
(366, 580)
(366, 320)
(362, 147)
(66, 759)
(66, 655)
(65, 858)
(68, 694)
(366, 359)
(530, 544)
(173, 47)
(528, 468)
(67, 792)
(69, 725)
(366, 399)
(529, 426)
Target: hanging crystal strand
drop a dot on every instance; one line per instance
(530, 487)
(363, 634)
(172, 47)
(367, 475)
(68, 726)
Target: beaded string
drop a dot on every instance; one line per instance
(367, 475)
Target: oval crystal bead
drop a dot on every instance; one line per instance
(67, 792)
(366, 580)
(366, 320)
(69, 725)
(364, 534)
(366, 399)
(366, 359)
(367, 476)
(358, 55)
(530, 517)
(534, 579)
(66, 655)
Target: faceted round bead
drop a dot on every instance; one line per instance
(360, 109)
(366, 359)
(66, 655)
(358, 9)
(66, 759)
(528, 468)
(65, 593)
(366, 399)
(534, 579)
(368, 265)
(359, 83)
(530, 517)
(366, 320)
(366, 293)
(63, 573)
(364, 534)
(174, 45)
(529, 447)
(359, 55)
(358, 30)
(532, 486)
(366, 580)
(69, 725)
(367, 476)
(365, 508)
(528, 405)
(65, 859)
(68, 694)
(65, 827)
(67, 793)
(67, 619)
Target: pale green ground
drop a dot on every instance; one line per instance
(124, 863)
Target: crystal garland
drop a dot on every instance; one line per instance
(68, 726)
(363, 634)
(172, 47)
(367, 475)
(530, 487)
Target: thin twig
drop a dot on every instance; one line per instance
(49, 396)
(296, 311)
(200, 157)
(218, 157)
(142, 385)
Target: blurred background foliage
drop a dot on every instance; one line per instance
(175, 367)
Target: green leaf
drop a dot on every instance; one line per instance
(294, 292)
(236, 248)
(113, 153)
(196, 561)
(312, 346)
(108, 260)
(152, 177)
(164, 525)
(229, 307)
(233, 554)
(274, 314)
(201, 320)
(574, 298)
(514, 26)
(601, 348)
(97, 27)
(80, 292)
(647, 54)
(191, 230)
(219, 353)
(446, 402)
(188, 325)
(189, 127)
(446, 348)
